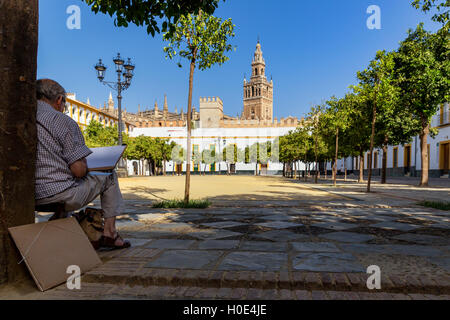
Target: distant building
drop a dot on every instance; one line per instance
(405, 160)
(214, 130)
(84, 113)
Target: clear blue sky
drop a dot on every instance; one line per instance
(312, 48)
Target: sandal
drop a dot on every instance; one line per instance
(108, 242)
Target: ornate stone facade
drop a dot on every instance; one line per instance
(258, 92)
(257, 103)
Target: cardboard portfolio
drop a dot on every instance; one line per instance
(49, 248)
(105, 158)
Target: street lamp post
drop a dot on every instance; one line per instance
(125, 69)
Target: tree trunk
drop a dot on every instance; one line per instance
(18, 55)
(326, 170)
(424, 152)
(336, 158)
(384, 164)
(315, 159)
(372, 136)
(361, 167)
(284, 169)
(164, 167)
(345, 170)
(295, 170)
(189, 127)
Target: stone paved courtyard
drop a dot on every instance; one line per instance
(273, 238)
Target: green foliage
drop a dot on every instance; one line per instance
(423, 72)
(201, 38)
(232, 154)
(151, 13)
(96, 135)
(173, 204)
(155, 150)
(441, 6)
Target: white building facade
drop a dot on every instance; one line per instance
(405, 160)
(214, 139)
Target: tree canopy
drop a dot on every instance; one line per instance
(157, 15)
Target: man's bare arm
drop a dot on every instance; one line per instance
(79, 168)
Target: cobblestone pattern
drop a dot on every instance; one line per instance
(133, 272)
(95, 291)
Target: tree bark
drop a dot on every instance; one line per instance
(295, 170)
(424, 151)
(189, 128)
(384, 164)
(372, 136)
(361, 167)
(164, 167)
(18, 62)
(345, 170)
(336, 158)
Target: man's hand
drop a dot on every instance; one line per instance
(79, 168)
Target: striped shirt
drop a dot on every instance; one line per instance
(60, 144)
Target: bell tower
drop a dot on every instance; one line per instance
(258, 92)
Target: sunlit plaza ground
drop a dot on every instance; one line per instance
(273, 238)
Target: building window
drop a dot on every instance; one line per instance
(395, 158)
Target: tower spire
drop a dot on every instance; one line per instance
(258, 92)
(166, 107)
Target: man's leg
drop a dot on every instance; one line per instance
(86, 191)
(112, 205)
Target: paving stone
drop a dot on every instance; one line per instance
(314, 247)
(171, 226)
(138, 242)
(441, 262)
(326, 262)
(234, 217)
(170, 244)
(185, 259)
(334, 225)
(279, 224)
(423, 239)
(263, 246)
(259, 261)
(224, 224)
(278, 217)
(186, 218)
(151, 217)
(389, 225)
(347, 236)
(123, 223)
(363, 248)
(443, 225)
(303, 295)
(213, 234)
(413, 250)
(281, 235)
(155, 234)
(219, 244)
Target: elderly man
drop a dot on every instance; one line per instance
(61, 168)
